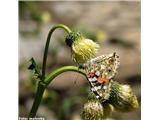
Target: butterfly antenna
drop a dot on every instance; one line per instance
(75, 81)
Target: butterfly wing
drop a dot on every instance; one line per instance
(102, 68)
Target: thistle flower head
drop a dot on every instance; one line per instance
(82, 49)
(93, 110)
(123, 98)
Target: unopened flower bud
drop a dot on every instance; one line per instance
(82, 49)
(122, 97)
(93, 110)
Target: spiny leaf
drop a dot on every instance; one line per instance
(33, 66)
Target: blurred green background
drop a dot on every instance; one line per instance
(114, 25)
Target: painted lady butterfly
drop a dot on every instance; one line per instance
(100, 71)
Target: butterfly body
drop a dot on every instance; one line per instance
(100, 71)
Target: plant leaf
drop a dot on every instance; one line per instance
(34, 67)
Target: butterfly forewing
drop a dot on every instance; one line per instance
(100, 71)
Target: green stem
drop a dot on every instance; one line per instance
(47, 45)
(55, 73)
(42, 85)
(48, 79)
(37, 100)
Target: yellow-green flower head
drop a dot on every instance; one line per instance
(122, 97)
(82, 49)
(93, 110)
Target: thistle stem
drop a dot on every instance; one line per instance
(47, 81)
(44, 82)
(55, 73)
(37, 100)
(47, 45)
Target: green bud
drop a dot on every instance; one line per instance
(73, 36)
(122, 97)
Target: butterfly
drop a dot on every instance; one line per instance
(100, 71)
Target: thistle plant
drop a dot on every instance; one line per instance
(101, 102)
